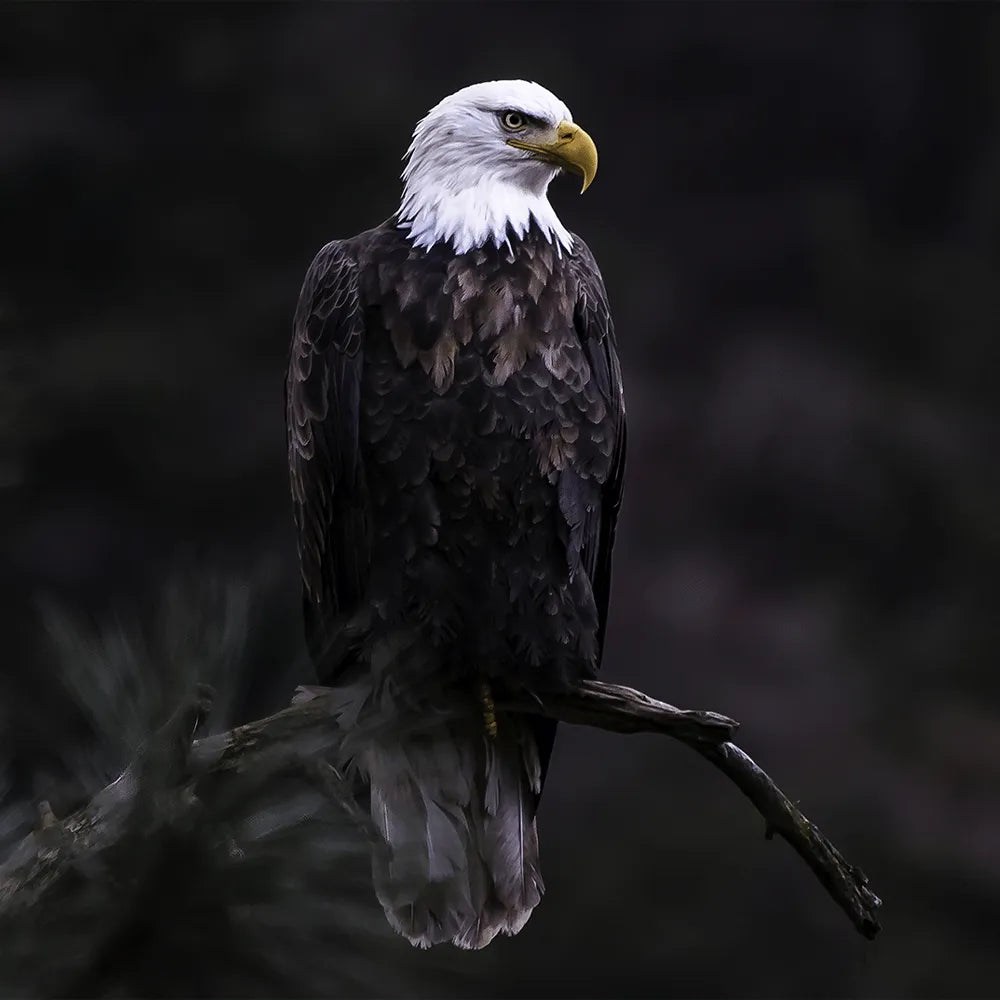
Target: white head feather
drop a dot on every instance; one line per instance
(463, 184)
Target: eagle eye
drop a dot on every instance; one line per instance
(513, 121)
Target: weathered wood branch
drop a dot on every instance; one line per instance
(847, 884)
(625, 710)
(40, 870)
(622, 709)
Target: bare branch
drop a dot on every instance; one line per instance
(847, 884)
(622, 709)
(625, 710)
(38, 872)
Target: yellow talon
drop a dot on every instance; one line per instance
(489, 710)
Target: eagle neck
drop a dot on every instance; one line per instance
(470, 217)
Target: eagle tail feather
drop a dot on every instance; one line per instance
(510, 837)
(456, 812)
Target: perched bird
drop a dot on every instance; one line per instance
(456, 446)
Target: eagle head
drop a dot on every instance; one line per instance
(480, 163)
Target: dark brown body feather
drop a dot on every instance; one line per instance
(456, 447)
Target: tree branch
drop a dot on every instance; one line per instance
(621, 709)
(39, 872)
(847, 884)
(625, 710)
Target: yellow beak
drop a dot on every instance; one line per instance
(570, 147)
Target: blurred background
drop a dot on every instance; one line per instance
(797, 218)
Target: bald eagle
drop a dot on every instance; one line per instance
(456, 446)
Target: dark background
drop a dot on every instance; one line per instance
(797, 220)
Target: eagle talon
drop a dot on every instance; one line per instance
(489, 709)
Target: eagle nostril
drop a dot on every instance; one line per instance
(566, 134)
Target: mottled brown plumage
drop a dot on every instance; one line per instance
(456, 437)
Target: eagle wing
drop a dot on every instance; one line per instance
(322, 389)
(594, 326)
